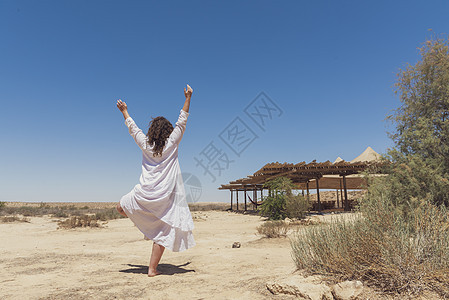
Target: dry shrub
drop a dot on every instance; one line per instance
(382, 247)
(28, 211)
(9, 219)
(296, 207)
(79, 221)
(60, 214)
(108, 214)
(305, 222)
(59, 210)
(273, 229)
(201, 206)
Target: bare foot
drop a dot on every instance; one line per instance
(152, 273)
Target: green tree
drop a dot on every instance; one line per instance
(400, 240)
(421, 136)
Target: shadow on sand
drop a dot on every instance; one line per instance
(165, 269)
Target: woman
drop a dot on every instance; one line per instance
(157, 205)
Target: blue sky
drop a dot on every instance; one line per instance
(329, 66)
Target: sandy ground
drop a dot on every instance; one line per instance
(39, 261)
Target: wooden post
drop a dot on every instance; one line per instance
(237, 191)
(302, 192)
(245, 198)
(231, 198)
(346, 193)
(341, 193)
(308, 194)
(337, 199)
(318, 194)
(255, 198)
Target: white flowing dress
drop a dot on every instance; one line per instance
(158, 205)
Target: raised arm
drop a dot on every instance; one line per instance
(134, 131)
(188, 95)
(180, 127)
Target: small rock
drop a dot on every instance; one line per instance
(347, 290)
(305, 288)
(236, 245)
(279, 288)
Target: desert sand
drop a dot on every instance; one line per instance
(39, 261)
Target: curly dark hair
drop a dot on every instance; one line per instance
(158, 133)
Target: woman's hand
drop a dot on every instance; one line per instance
(123, 108)
(189, 91)
(188, 95)
(122, 105)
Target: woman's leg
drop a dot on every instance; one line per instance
(156, 255)
(120, 210)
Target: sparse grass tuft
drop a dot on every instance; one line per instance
(273, 229)
(10, 219)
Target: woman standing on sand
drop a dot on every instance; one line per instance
(157, 205)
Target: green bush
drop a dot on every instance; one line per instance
(273, 207)
(281, 202)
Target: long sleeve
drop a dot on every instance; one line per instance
(136, 133)
(180, 127)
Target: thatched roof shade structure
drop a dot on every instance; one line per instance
(325, 175)
(302, 173)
